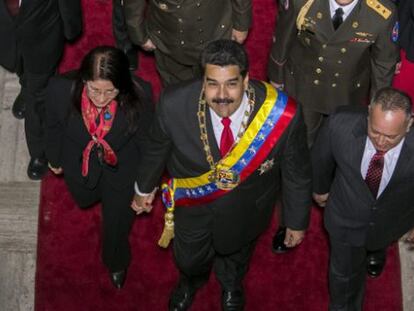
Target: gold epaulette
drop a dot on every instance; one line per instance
(379, 8)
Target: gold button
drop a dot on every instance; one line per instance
(222, 26)
(201, 41)
(180, 20)
(198, 4)
(318, 70)
(343, 50)
(316, 82)
(320, 58)
(333, 84)
(339, 62)
(182, 42)
(324, 46)
(178, 6)
(358, 85)
(158, 31)
(337, 74)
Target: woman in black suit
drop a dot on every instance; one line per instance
(96, 119)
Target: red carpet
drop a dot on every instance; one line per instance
(70, 275)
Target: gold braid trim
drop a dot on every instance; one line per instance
(379, 8)
(302, 13)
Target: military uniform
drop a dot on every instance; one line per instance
(180, 29)
(323, 68)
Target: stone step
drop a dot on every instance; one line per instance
(19, 205)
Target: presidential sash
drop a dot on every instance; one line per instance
(265, 130)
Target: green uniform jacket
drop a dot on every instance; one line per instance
(182, 28)
(323, 68)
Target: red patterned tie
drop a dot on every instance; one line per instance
(226, 140)
(13, 6)
(374, 173)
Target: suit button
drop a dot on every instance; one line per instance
(178, 6)
(199, 19)
(222, 26)
(198, 4)
(324, 46)
(318, 70)
(182, 42)
(358, 85)
(201, 41)
(339, 62)
(180, 20)
(333, 84)
(316, 82)
(371, 224)
(336, 74)
(343, 50)
(200, 30)
(320, 58)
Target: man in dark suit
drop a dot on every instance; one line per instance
(32, 34)
(214, 224)
(178, 30)
(325, 60)
(363, 169)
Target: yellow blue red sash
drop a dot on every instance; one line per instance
(258, 140)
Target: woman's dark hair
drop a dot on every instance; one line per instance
(109, 63)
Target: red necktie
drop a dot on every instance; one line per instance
(374, 173)
(227, 140)
(13, 6)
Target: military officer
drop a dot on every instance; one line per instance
(326, 59)
(178, 30)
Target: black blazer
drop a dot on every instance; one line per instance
(352, 214)
(242, 214)
(406, 17)
(67, 137)
(37, 33)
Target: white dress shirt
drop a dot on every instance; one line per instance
(390, 161)
(333, 5)
(236, 120)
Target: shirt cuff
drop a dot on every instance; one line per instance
(139, 192)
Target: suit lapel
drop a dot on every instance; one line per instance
(403, 164)
(343, 32)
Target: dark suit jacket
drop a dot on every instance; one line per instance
(242, 214)
(406, 18)
(67, 137)
(37, 33)
(352, 214)
(182, 28)
(323, 68)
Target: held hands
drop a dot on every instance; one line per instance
(55, 170)
(321, 199)
(239, 36)
(294, 237)
(148, 46)
(143, 203)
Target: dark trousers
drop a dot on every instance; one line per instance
(195, 256)
(33, 89)
(117, 218)
(172, 72)
(347, 272)
(119, 27)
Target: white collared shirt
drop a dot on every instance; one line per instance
(236, 120)
(333, 5)
(390, 161)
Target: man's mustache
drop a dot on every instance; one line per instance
(225, 100)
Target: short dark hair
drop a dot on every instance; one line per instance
(225, 52)
(392, 99)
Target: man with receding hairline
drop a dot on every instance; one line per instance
(363, 172)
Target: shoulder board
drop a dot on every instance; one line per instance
(379, 8)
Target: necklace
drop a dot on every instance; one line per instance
(222, 176)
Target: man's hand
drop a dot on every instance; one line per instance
(321, 199)
(143, 203)
(148, 46)
(55, 170)
(294, 237)
(239, 36)
(277, 86)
